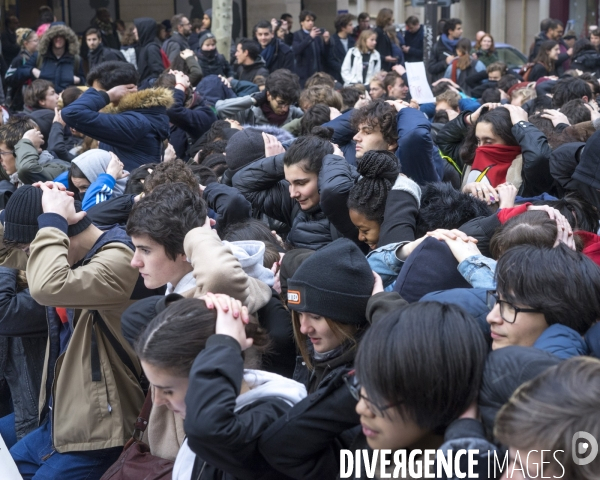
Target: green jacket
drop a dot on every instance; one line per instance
(29, 169)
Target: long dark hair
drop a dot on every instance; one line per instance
(173, 340)
(499, 119)
(543, 56)
(310, 150)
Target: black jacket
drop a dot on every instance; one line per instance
(104, 54)
(311, 54)
(305, 443)
(384, 47)
(248, 72)
(149, 58)
(324, 371)
(587, 61)
(283, 57)
(227, 441)
(534, 149)
(437, 60)
(415, 42)
(115, 211)
(228, 203)
(23, 335)
(538, 71)
(217, 65)
(337, 54)
(563, 161)
(263, 184)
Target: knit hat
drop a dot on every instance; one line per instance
(243, 148)
(204, 38)
(81, 225)
(22, 212)
(208, 12)
(335, 282)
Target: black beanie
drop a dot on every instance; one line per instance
(22, 212)
(336, 282)
(244, 147)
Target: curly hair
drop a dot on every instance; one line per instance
(378, 114)
(167, 214)
(170, 172)
(283, 84)
(379, 169)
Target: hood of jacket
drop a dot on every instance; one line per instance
(266, 384)
(57, 31)
(562, 341)
(251, 256)
(148, 98)
(94, 162)
(588, 58)
(146, 28)
(259, 62)
(506, 369)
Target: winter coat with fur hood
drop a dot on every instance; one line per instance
(59, 71)
(134, 129)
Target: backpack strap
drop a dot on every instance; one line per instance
(142, 420)
(116, 345)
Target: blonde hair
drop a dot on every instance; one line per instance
(344, 333)
(451, 97)
(525, 94)
(361, 43)
(23, 34)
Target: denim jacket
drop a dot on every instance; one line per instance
(384, 262)
(479, 271)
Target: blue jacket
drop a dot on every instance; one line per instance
(99, 191)
(472, 300)
(562, 341)
(188, 123)
(59, 71)
(419, 158)
(343, 133)
(134, 129)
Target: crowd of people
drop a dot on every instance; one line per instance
(254, 264)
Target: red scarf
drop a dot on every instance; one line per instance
(272, 117)
(492, 162)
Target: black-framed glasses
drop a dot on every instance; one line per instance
(354, 386)
(508, 311)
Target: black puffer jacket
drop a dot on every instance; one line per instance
(263, 184)
(149, 58)
(587, 61)
(534, 149)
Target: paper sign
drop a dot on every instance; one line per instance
(417, 82)
(8, 468)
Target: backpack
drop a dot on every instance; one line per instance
(165, 60)
(526, 70)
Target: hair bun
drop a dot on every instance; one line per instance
(378, 164)
(326, 133)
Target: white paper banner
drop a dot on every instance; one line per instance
(8, 468)
(417, 82)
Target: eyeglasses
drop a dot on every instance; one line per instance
(354, 386)
(508, 311)
(6, 153)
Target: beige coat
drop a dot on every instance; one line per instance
(216, 270)
(87, 415)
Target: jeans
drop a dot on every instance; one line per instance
(36, 459)
(7, 430)
(479, 271)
